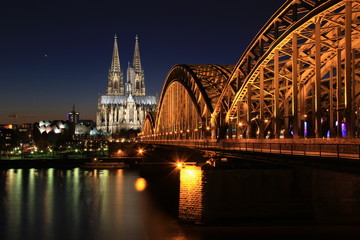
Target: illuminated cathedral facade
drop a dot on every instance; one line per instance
(124, 106)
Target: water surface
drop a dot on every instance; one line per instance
(120, 204)
(76, 204)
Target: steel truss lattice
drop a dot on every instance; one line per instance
(299, 77)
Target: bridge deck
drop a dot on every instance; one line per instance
(315, 148)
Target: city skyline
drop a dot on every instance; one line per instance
(57, 56)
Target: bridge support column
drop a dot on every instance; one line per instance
(313, 109)
(295, 100)
(276, 122)
(317, 105)
(302, 110)
(338, 93)
(331, 105)
(238, 120)
(349, 113)
(248, 129)
(262, 117)
(213, 127)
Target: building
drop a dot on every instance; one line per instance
(85, 129)
(123, 108)
(52, 134)
(73, 116)
(7, 139)
(24, 134)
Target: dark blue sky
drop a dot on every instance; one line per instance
(54, 54)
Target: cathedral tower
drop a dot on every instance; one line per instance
(121, 113)
(115, 76)
(135, 73)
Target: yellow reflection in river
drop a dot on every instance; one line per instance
(191, 191)
(140, 184)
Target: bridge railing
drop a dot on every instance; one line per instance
(335, 150)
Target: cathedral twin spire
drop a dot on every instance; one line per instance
(115, 76)
(115, 63)
(136, 59)
(135, 74)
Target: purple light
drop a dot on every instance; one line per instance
(305, 129)
(343, 129)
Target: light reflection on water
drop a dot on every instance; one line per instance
(140, 184)
(74, 204)
(191, 193)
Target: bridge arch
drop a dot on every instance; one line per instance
(188, 97)
(299, 77)
(149, 125)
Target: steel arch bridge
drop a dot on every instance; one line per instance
(187, 101)
(299, 77)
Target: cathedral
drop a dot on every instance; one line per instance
(123, 107)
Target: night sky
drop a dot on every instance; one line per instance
(54, 54)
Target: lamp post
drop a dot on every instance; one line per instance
(21, 149)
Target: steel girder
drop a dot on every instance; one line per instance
(189, 95)
(301, 69)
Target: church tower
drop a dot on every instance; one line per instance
(135, 73)
(122, 111)
(115, 76)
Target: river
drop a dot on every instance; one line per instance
(122, 204)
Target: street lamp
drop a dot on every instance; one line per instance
(21, 149)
